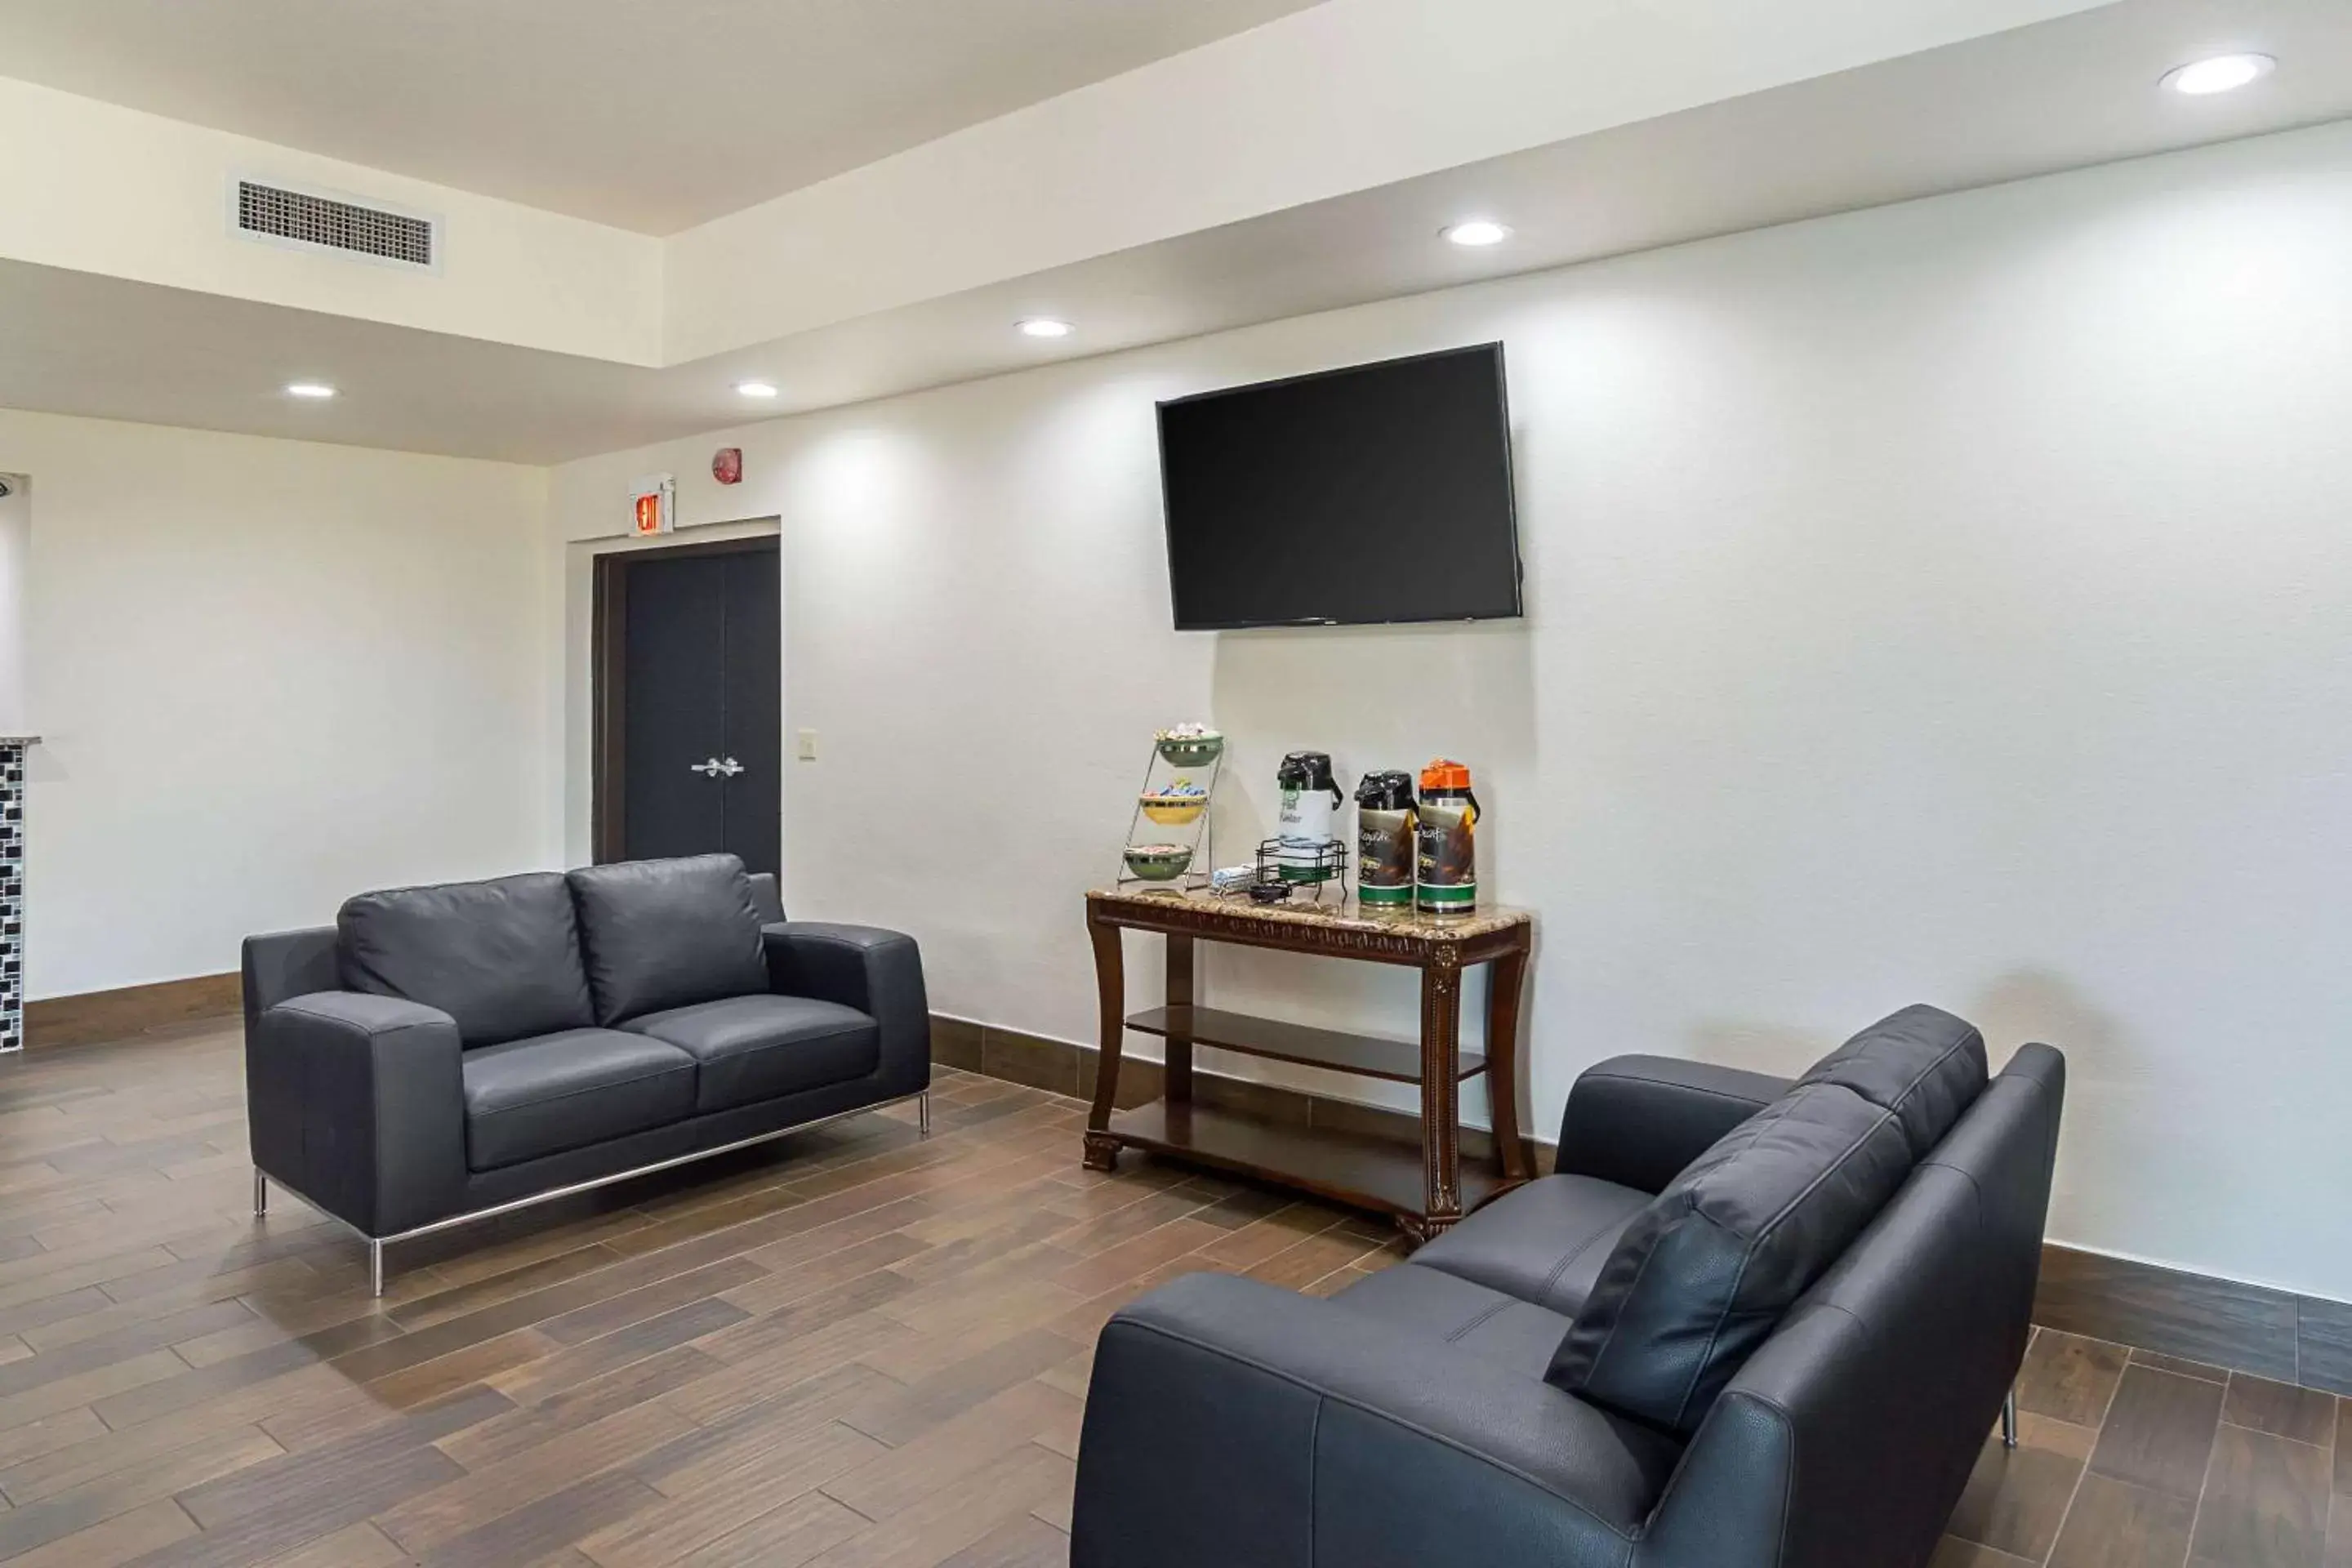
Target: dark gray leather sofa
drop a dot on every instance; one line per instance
(444, 1053)
(1748, 1323)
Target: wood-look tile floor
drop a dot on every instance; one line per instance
(858, 1348)
(2127, 1459)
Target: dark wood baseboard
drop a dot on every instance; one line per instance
(2214, 1322)
(2255, 1329)
(96, 1016)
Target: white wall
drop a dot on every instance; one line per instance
(1947, 602)
(268, 674)
(15, 552)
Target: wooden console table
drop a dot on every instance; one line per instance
(1425, 1193)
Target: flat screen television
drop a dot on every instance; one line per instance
(1377, 493)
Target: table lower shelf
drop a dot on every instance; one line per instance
(1352, 1168)
(1368, 1056)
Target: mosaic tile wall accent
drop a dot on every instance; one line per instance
(12, 896)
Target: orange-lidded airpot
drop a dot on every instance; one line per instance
(1446, 871)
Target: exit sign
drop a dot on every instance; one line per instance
(653, 505)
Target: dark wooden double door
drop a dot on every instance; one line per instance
(689, 706)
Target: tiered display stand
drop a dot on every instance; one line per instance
(1174, 763)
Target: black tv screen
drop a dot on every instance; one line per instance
(1381, 492)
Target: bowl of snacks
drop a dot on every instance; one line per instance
(1180, 803)
(1190, 745)
(1157, 862)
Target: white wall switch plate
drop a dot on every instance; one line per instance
(808, 745)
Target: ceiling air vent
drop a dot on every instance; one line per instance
(289, 216)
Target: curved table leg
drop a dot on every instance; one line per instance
(1503, 982)
(1440, 1113)
(1111, 987)
(1177, 1080)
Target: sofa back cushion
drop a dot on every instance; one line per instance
(1923, 1064)
(501, 957)
(1703, 1275)
(667, 933)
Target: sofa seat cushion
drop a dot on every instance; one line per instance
(751, 1049)
(544, 1095)
(501, 957)
(1702, 1276)
(1431, 1304)
(666, 933)
(1542, 1243)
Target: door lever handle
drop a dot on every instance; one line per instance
(729, 768)
(710, 769)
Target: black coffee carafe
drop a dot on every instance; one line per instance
(1386, 827)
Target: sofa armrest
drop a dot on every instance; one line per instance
(767, 898)
(357, 1102)
(286, 964)
(1231, 1422)
(1638, 1121)
(879, 972)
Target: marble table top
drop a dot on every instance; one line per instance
(1332, 914)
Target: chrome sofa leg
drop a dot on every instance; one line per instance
(376, 1266)
(923, 1114)
(2009, 1420)
(260, 1192)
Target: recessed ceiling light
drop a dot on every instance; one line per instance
(755, 389)
(1478, 231)
(317, 390)
(2220, 74)
(1045, 327)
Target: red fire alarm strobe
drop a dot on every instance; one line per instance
(653, 504)
(726, 465)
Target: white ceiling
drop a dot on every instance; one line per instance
(653, 115)
(2074, 91)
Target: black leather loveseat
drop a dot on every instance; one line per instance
(1748, 1323)
(441, 1054)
